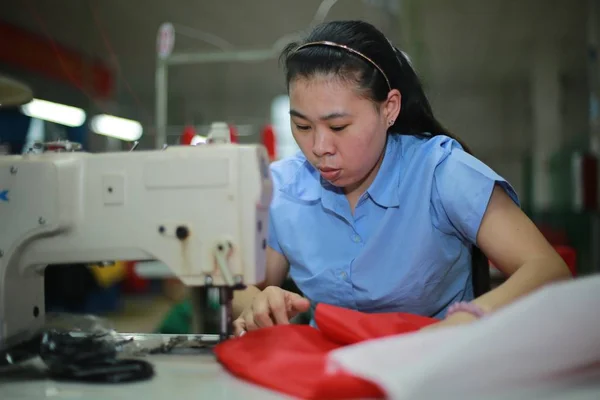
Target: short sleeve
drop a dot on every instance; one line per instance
(462, 187)
(272, 240)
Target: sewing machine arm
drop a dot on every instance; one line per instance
(200, 210)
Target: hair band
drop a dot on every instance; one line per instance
(341, 46)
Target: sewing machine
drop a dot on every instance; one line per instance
(201, 210)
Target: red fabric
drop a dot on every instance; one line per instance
(233, 134)
(291, 358)
(133, 283)
(268, 140)
(188, 134)
(569, 255)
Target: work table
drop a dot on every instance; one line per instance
(195, 373)
(176, 376)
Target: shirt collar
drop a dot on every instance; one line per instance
(304, 184)
(384, 189)
(307, 184)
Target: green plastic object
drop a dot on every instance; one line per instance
(178, 320)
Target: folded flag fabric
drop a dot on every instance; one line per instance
(292, 359)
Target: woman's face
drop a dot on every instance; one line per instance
(341, 133)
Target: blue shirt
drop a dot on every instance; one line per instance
(407, 248)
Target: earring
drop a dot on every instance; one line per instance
(391, 122)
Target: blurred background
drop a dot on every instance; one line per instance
(516, 80)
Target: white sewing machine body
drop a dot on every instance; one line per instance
(186, 206)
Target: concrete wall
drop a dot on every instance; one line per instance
(494, 121)
(478, 60)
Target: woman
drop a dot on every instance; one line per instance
(380, 210)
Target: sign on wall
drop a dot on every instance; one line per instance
(165, 40)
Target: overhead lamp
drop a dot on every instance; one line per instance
(117, 127)
(54, 112)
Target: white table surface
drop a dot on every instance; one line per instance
(197, 375)
(177, 377)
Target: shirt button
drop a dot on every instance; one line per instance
(356, 238)
(343, 275)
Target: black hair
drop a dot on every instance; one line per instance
(416, 115)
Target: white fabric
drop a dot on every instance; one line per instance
(547, 339)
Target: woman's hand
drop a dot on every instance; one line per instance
(272, 306)
(459, 318)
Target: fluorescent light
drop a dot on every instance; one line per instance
(116, 127)
(54, 112)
